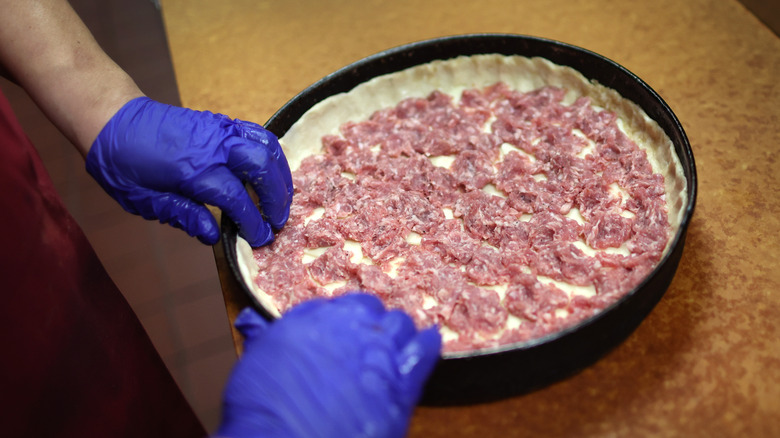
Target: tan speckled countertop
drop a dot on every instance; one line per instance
(706, 362)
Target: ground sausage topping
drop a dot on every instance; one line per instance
(501, 217)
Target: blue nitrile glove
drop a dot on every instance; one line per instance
(165, 162)
(335, 368)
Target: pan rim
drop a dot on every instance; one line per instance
(408, 55)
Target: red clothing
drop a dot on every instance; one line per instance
(75, 359)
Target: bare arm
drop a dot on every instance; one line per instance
(48, 51)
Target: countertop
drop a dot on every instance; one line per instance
(706, 362)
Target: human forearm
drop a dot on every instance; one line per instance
(48, 51)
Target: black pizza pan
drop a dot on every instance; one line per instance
(510, 370)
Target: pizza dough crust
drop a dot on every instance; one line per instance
(453, 76)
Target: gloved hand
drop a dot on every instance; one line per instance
(336, 368)
(165, 162)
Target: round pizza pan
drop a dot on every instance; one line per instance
(509, 370)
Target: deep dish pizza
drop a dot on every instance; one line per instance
(502, 198)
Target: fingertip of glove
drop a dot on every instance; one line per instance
(264, 235)
(361, 300)
(399, 326)
(431, 338)
(421, 353)
(205, 227)
(281, 218)
(249, 322)
(416, 363)
(208, 239)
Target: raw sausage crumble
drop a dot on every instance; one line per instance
(502, 216)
